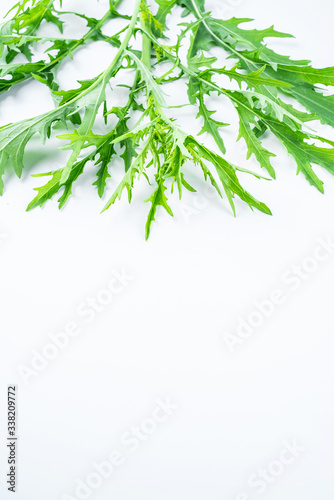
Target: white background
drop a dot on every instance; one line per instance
(163, 336)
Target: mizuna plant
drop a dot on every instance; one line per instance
(156, 147)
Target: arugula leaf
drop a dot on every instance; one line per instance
(254, 145)
(227, 174)
(211, 126)
(24, 25)
(52, 187)
(304, 153)
(45, 70)
(158, 197)
(269, 85)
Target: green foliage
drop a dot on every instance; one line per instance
(19, 36)
(156, 148)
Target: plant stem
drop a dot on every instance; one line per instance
(103, 77)
(147, 45)
(106, 74)
(146, 50)
(127, 37)
(77, 44)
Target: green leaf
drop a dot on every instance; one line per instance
(200, 61)
(297, 75)
(157, 198)
(127, 182)
(189, 4)
(305, 154)
(272, 90)
(253, 40)
(165, 8)
(211, 126)
(92, 102)
(172, 168)
(253, 79)
(318, 104)
(14, 137)
(254, 145)
(227, 175)
(106, 152)
(48, 190)
(147, 77)
(2, 172)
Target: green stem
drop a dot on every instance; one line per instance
(146, 49)
(225, 45)
(249, 63)
(147, 45)
(127, 37)
(125, 110)
(82, 40)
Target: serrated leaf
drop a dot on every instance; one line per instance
(274, 107)
(48, 190)
(14, 137)
(254, 145)
(211, 126)
(318, 104)
(157, 198)
(227, 174)
(127, 182)
(254, 79)
(269, 86)
(165, 8)
(147, 77)
(200, 61)
(252, 39)
(106, 152)
(3, 160)
(298, 74)
(305, 154)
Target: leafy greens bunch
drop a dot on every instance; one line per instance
(156, 147)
